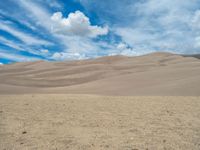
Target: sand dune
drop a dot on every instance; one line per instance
(152, 74)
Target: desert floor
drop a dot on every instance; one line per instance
(86, 122)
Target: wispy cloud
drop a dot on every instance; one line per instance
(26, 38)
(22, 47)
(152, 25)
(16, 57)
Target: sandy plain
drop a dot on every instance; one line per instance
(86, 122)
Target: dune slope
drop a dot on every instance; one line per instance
(152, 74)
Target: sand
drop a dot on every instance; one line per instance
(149, 102)
(157, 74)
(86, 122)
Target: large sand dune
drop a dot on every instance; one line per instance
(152, 74)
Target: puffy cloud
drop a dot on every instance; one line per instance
(76, 24)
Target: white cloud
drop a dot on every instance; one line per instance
(1, 64)
(76, 24)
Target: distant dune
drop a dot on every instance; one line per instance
(152, 74)
(194, 55)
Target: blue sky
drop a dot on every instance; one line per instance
(59, 30)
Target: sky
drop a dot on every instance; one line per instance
(61, 30)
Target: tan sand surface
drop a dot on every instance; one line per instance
(162, 74)
(86, 122)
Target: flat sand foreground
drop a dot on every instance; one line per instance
(86, 122)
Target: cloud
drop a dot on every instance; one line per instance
(1, 64)
(77, 48)
(78, 38)
(122, 46)
(44, 51)
(26, 38)
(36, 13)
(16, 57)
(162, 26)
(196, 20)
(52, 3)
(197, 42)
(76, 24)
(68, 56)
(10, 43)
(125, 49)
(152, 25)
(18, 46)
(19, 17)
